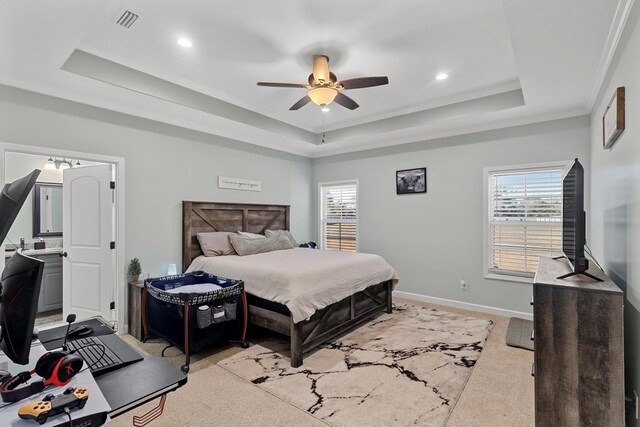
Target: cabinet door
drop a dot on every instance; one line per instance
(51, 292)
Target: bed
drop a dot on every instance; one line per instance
(309, 326)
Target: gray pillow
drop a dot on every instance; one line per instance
(250, 235)
(216, 243)
(248, 246)
(286, 233)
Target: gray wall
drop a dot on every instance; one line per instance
(615, 194)
(164, 165)
(434, 240)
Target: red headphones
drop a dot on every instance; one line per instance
(56, 367)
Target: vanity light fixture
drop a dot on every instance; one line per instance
(55, 163)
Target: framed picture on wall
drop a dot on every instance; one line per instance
(613, 119)
(411, 181)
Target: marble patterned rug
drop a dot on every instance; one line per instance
(404, 368)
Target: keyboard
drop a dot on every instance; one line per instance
(96, 354)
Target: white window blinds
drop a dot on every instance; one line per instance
(525, 219)
(339, 216)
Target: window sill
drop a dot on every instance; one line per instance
(508, 278)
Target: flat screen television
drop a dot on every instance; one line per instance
(21, 279)
(574, 221)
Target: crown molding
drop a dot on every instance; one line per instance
(615, 32)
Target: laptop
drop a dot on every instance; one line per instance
(104, 353)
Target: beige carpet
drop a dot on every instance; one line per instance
(404, 368)
(498, 393)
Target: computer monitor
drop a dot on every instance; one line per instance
(20, 289)
(21, 279)
(11, 200)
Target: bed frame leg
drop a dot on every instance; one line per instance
(296, 345)
(245, 316)
(389, 298)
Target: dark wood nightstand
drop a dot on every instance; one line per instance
(135, 310)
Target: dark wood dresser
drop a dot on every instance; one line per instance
(578, 348)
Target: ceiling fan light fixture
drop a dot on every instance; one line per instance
(325, 108)
(322, 95)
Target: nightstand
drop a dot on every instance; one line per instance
(135, 310)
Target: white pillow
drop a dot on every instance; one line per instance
(250, 235)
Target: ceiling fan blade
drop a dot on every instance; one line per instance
(345, 101)
(362, 82)
(268, 84)
(304, 101)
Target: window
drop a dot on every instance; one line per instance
(339, 216)
(525, 218)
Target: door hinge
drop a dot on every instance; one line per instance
(112, 306)
(113, 245)
(112, 185)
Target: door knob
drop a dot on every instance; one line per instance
(63, 254)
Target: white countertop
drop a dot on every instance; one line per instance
(36, 252)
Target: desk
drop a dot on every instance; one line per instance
(125, 388)
(136, 384)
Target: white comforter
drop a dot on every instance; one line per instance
(305, 280)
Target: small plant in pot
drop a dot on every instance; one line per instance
(134, 270)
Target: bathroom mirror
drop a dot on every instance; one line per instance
(47, 210)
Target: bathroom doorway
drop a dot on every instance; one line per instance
(39, 231)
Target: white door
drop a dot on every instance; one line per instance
(88, 267)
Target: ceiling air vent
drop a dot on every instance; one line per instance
(127, 19)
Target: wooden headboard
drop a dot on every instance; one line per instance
(199, 217)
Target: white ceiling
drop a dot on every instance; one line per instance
(509, 62)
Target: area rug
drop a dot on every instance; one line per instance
(404, 368)
(519, 333)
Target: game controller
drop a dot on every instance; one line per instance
(73, 397)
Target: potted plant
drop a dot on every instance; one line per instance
(134, 270)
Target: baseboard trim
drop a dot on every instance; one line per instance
(464, 305)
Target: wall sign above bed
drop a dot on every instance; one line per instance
(239, 184)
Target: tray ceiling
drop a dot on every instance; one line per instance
(508, 62)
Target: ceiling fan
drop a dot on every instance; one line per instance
(324, 87)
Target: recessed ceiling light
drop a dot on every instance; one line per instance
(442, 76)
(184, 42)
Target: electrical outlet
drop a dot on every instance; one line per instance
(464, 285)
(635, 397)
